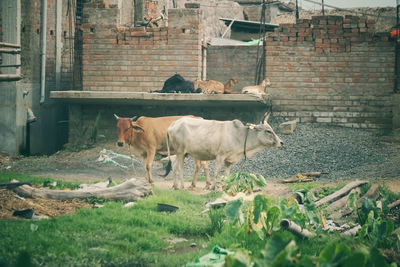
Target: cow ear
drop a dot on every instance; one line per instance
(116, 116)
(134, 118)
(266, 117)
(136, 127)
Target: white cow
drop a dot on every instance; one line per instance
(223, 141)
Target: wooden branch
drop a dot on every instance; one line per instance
(353, 231)
(296, 229)
(340, 203)
(338, 194)
(130, 190)
(394, 204)
(372, 193)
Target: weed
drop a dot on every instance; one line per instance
(6, 177)
(243, 182)
(217, 218)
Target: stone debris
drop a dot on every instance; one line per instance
(287, 127)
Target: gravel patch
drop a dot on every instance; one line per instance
(338, 152)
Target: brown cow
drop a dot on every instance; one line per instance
(147, 136)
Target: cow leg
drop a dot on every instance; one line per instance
(217, 182)
(227, 168)
(206, 173)
(149, 163)
(196, 173)
(180, 160)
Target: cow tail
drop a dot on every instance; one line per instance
(169, 165)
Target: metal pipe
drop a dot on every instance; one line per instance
(323, 8)
(297, 10)
(43, 33)
(58, 43)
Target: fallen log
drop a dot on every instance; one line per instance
(394, 204)
(353, 231)
(372, 194)
(341, 192)
(298, 178)
(129, 190)
(341, 202)
(296, 229)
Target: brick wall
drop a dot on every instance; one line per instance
(331, 70)
(138, 59)
(225, 62)
(49, 132)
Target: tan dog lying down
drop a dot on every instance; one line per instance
(215, 87)
(257, 89)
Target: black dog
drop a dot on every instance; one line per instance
(177, 84)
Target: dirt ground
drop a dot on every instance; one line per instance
(89, 166)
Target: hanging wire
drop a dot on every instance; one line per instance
(347, 9)
(260, 64)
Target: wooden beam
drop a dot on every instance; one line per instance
(10, 77)
(10, 45)
(10, 50)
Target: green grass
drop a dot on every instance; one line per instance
(113, 235)
(135, 236)
(6, 177)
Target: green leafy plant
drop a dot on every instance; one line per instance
(281, 250)
(217, 217)
(263, 216)
(375, 228)
(243, 182)
(377, 231)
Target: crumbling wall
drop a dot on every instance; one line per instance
(331, 69)
(385, 17)
(225, 62)
(138, 59)
(212, 11)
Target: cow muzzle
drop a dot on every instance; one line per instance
(120, 144)
(279, 144)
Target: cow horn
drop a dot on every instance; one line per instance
(134, 118)
(116, 116)
(266, 117)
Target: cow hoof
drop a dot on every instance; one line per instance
(207, 187)
(191, 187)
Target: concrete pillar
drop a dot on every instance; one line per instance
(396, 111)
(12, 108)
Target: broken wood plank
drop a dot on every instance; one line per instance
(394, 204)
(341, 202)
(298, 178)
(372, 193)
(353, 231)
(341, 192)
(296, 229)
(129, 190)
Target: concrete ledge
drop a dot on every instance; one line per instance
(158, 99)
